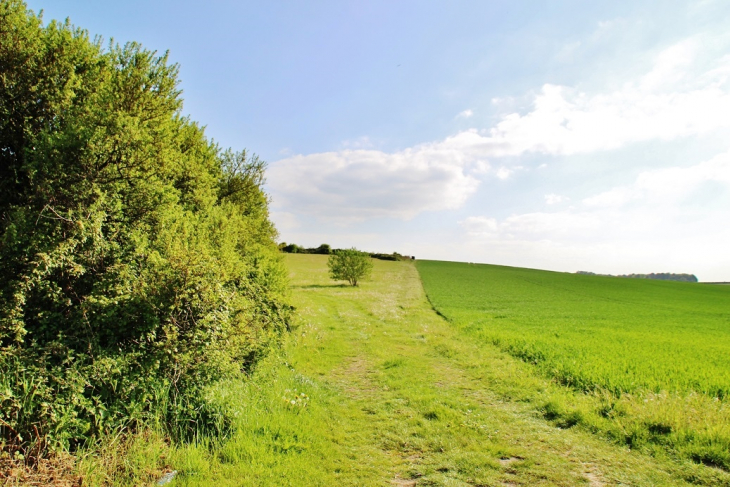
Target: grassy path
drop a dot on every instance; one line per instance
(380, 390)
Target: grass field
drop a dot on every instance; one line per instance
(656, 354)
(373, 388)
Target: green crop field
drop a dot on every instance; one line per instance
(654, 356)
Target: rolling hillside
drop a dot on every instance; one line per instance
(650, 360)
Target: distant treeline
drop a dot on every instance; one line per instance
(325, 249)
(662, 276)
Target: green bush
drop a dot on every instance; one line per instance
(139, 264)
(349, 265)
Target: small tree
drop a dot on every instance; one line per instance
(349, 265)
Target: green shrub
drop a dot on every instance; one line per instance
(349, 265)
(138, 261)
(292, 249)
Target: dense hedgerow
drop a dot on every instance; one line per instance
(137, 259)
(325, 249)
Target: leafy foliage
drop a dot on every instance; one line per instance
(138, 260)
(349, 265)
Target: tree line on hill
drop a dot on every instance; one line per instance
(662, 276)
(325, 249)
(139, 265)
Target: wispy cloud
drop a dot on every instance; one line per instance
(504, 172)
(670, 101)
(649, 204)
(363, 142)
(667, 187)
(659, 221)
(554, 199)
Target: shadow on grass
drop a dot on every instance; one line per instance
(320, 286)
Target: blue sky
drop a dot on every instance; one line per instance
(565, 135)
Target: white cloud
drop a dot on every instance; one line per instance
(670, 66)
(355, 185)
(535, 226)
(567, 52)
(657, 202)
(676, 98)
(503, 172)
(553, 199)
(480, 225)
(666, 186)
(565, 122)
(649, 225)
(603, 27)
(363, 142)
(465, 114)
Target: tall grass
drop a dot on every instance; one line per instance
(271, 432)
